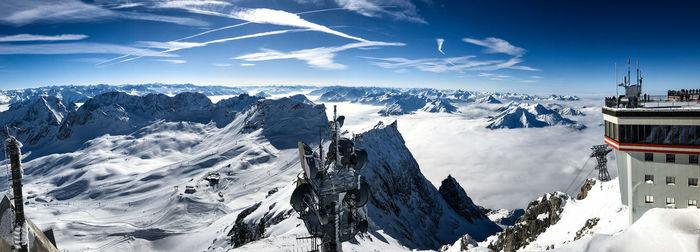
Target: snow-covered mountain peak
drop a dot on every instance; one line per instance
(490, 99)
(286, 121)
(33, 119)
(530, 116)
(402, 197)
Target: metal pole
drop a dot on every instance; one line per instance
(617, 85)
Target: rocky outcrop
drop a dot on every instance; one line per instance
(585, 188)
(247, 230)
(590, 223)
(539, 215)
(457, 198)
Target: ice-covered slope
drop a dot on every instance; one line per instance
(405, 210)
(530, 116)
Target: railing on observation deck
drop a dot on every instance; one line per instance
(657, 101)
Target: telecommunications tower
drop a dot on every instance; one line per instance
(331, 196)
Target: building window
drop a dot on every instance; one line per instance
(670, 158)
(649, 179)
(670, 201)
(692, 181)
(649, 199)
(693, 159)
(692, 202)
(648, 156)
(670, 180)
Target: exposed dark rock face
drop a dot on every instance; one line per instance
(590, 223)
(245, 231)
(539, 215)
(457, 198)
(585, 188)
(242, 233)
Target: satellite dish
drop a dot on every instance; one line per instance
(358, 197)
(301, 197)
(360, 159)
(341, 120)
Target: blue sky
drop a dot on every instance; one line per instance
(522, 46)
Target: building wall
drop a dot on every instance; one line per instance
(681, 170)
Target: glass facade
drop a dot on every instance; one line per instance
(654, 134)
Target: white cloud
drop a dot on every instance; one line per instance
(183, 4)
(510, 64)
(260, 15)
(486, 74)
(528, 81)
(173, 61)
(172, 46)
(321, 57)
(278, 17)
(536, 77)
(222, 64)
(439, 44)
(79, 48)
(126, 6)
(33, 37)
(496, 45)
(398, 9)
(247, 64)
(438, 65)
(31, 11)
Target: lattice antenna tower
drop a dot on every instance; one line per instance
(600, 152)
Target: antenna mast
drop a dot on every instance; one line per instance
(629, 80)
(637, 72)
(617, 85)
